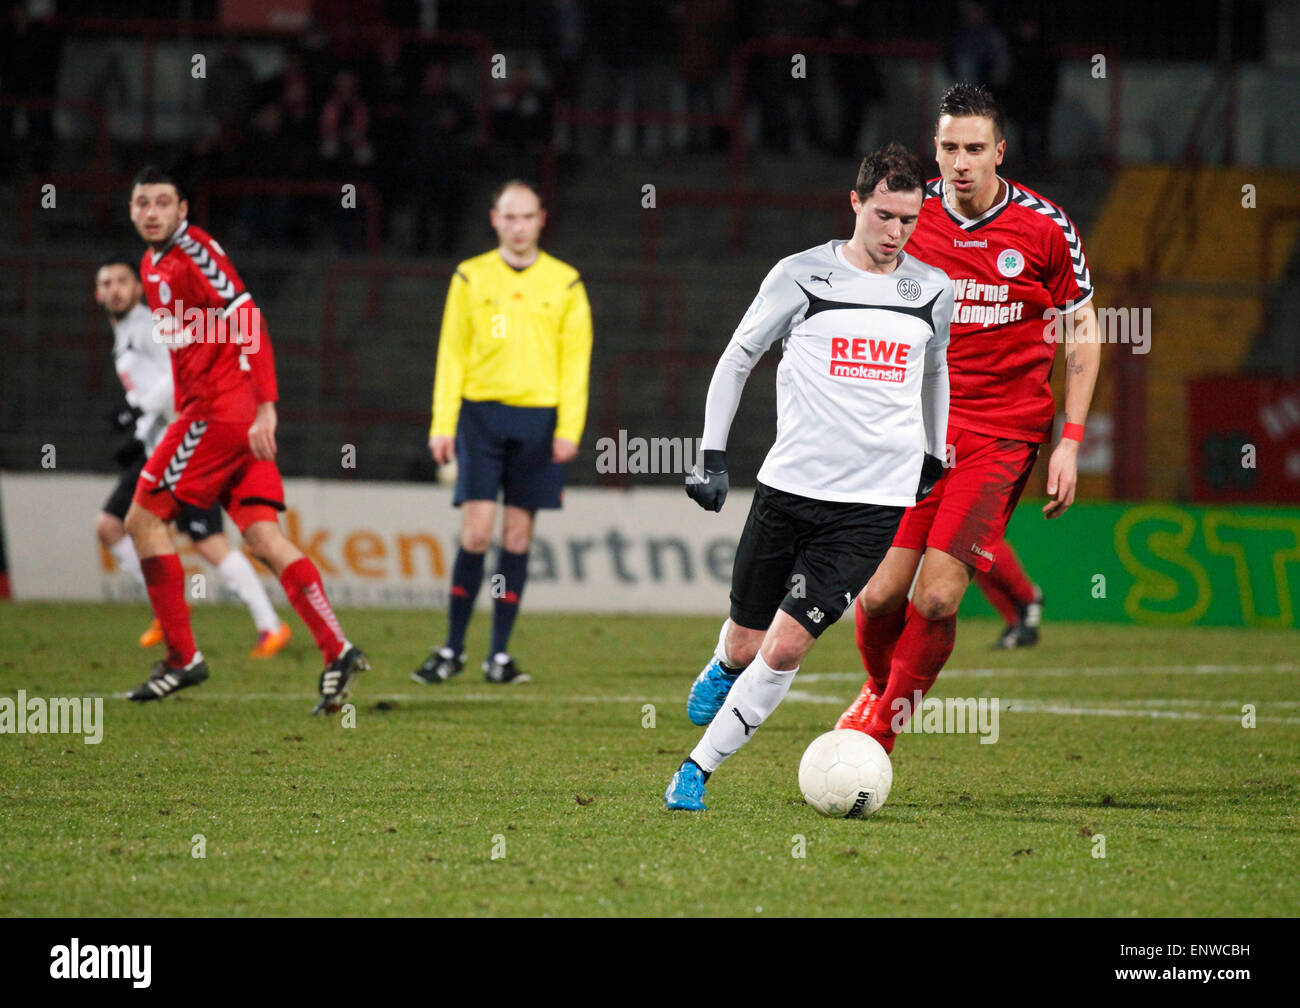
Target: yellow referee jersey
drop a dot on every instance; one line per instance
(520, 337)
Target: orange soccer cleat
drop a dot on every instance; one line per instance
(269, 642)
(152, 636)
(858, 716)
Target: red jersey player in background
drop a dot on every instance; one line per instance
(1016, 261)
(1017, 599)
(221, 446)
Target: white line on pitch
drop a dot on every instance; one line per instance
(1063, 707)
(1050, 672)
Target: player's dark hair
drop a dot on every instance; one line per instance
(893, 164)
(153, 175)
(511, 184)
(120, 260)
(972, 100)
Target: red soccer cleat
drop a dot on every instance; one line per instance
(858, 716)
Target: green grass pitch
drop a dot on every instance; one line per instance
(546, 798)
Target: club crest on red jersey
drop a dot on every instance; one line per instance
(1011, 263)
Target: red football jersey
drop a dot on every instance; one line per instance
(222, 363)
(1010, 267)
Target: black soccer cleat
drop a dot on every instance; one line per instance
(1024, 632)
(500, 668)
(336, 681)
(441, 665)
(166, 679)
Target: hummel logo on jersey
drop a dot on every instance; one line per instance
(826, 279)
(748, 727)
(815, 614)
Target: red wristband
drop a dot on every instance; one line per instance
(1073, 431)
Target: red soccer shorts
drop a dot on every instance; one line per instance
(203, 462)
(966, 514)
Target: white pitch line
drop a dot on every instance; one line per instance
(1054, 672)
(366, 699)
(1171, 702)
(1059, 707)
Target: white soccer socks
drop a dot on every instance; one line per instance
(758, 692)
(240, 578)
(124, 553)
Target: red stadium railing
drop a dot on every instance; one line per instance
(738, 200)
(923, 52)
(150, 30)
(97, 111)
(88, 338)
(111, 196)
(368, 198)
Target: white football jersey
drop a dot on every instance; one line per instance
(144, 366)
(862, 387)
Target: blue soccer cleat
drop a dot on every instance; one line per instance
(708, 692)
(686, 789)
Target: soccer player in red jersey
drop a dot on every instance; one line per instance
(1016, 598)
(221, 446)
(1022, 284)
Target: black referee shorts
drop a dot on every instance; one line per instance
(808, 557)
(506, 451)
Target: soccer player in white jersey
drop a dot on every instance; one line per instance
(862, 407)
(144, 366)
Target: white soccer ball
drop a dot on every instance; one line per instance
(845, 774)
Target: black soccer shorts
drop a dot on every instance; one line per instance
(808, 557)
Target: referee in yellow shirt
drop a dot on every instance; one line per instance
(510, 399)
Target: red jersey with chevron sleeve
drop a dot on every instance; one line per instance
(1011, 268)
(222, 364)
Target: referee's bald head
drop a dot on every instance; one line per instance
(516, 183)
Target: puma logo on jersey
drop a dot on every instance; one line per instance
(826, 279)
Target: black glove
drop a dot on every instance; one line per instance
(931, 473)
(129, 452)
(707, 483)
(124, 417)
